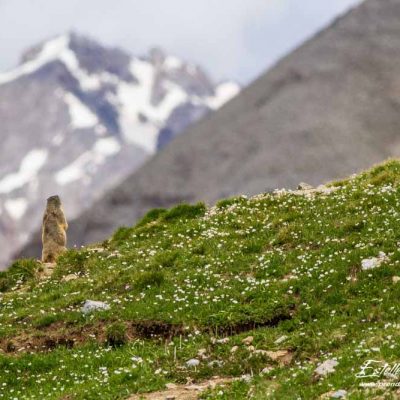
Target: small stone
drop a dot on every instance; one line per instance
(246, 378)
(189, 380)
(197, 388)
(170, 397)
(219, 341)
(91, 305)
(69, 277)
(276, 355)
(170, 386)
(304, 186)
(251, 348)
(234, 349)
(369, 263)
(193, 362)
(339, 394)
(215, 363)
(202, 352)
(373, 262)
(395, 279)
(248, 341)
(283, 357)
(326, 367)
(266, 370)
(280, 339)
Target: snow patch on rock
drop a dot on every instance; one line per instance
(50, 52)
(134, 99)
(87, 162)
(223, 93)
(72, 172)
(55, 49)
(172, 62)
(135, 103)
(16, 208)
(29, 167)
(107, 147)
(80, 114)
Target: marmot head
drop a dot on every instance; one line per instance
(54, 201)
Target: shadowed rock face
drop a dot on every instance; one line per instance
(329, 109)
(176, 120)
(77, 118)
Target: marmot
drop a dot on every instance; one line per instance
(54, 237)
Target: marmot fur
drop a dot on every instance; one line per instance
(54, 237)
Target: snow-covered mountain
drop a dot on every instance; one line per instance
(77, 118)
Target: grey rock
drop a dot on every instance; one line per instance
(91, 306)
(374, 262)
(194, 362)
(281, 339)
(339, 394)
(304, 186)
(327, 367)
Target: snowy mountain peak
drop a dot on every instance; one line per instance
(131, 96)
(157, 56)
(91, 56)
(55, 50)
(78, 117)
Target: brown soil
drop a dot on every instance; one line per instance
(157, 329)
(61, 334)
(56, 335)
(183, 392)
(242, 327)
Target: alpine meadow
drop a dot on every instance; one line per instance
(285, 295)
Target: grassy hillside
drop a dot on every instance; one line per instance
(195, 283)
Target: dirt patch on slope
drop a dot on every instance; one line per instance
(183, 392)
(241, 327)
(61, 334)
(157, 329)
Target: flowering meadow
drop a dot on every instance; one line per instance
(262, 290)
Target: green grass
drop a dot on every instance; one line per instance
(272, 266)
(19, 272)
(116, 334)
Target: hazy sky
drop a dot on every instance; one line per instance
(235, 39)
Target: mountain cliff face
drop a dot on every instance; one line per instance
(77, 118)
(327, 110)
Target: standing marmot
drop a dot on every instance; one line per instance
(54, 228)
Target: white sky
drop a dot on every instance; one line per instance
(235, 39)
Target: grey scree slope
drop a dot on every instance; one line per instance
(329, 109)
